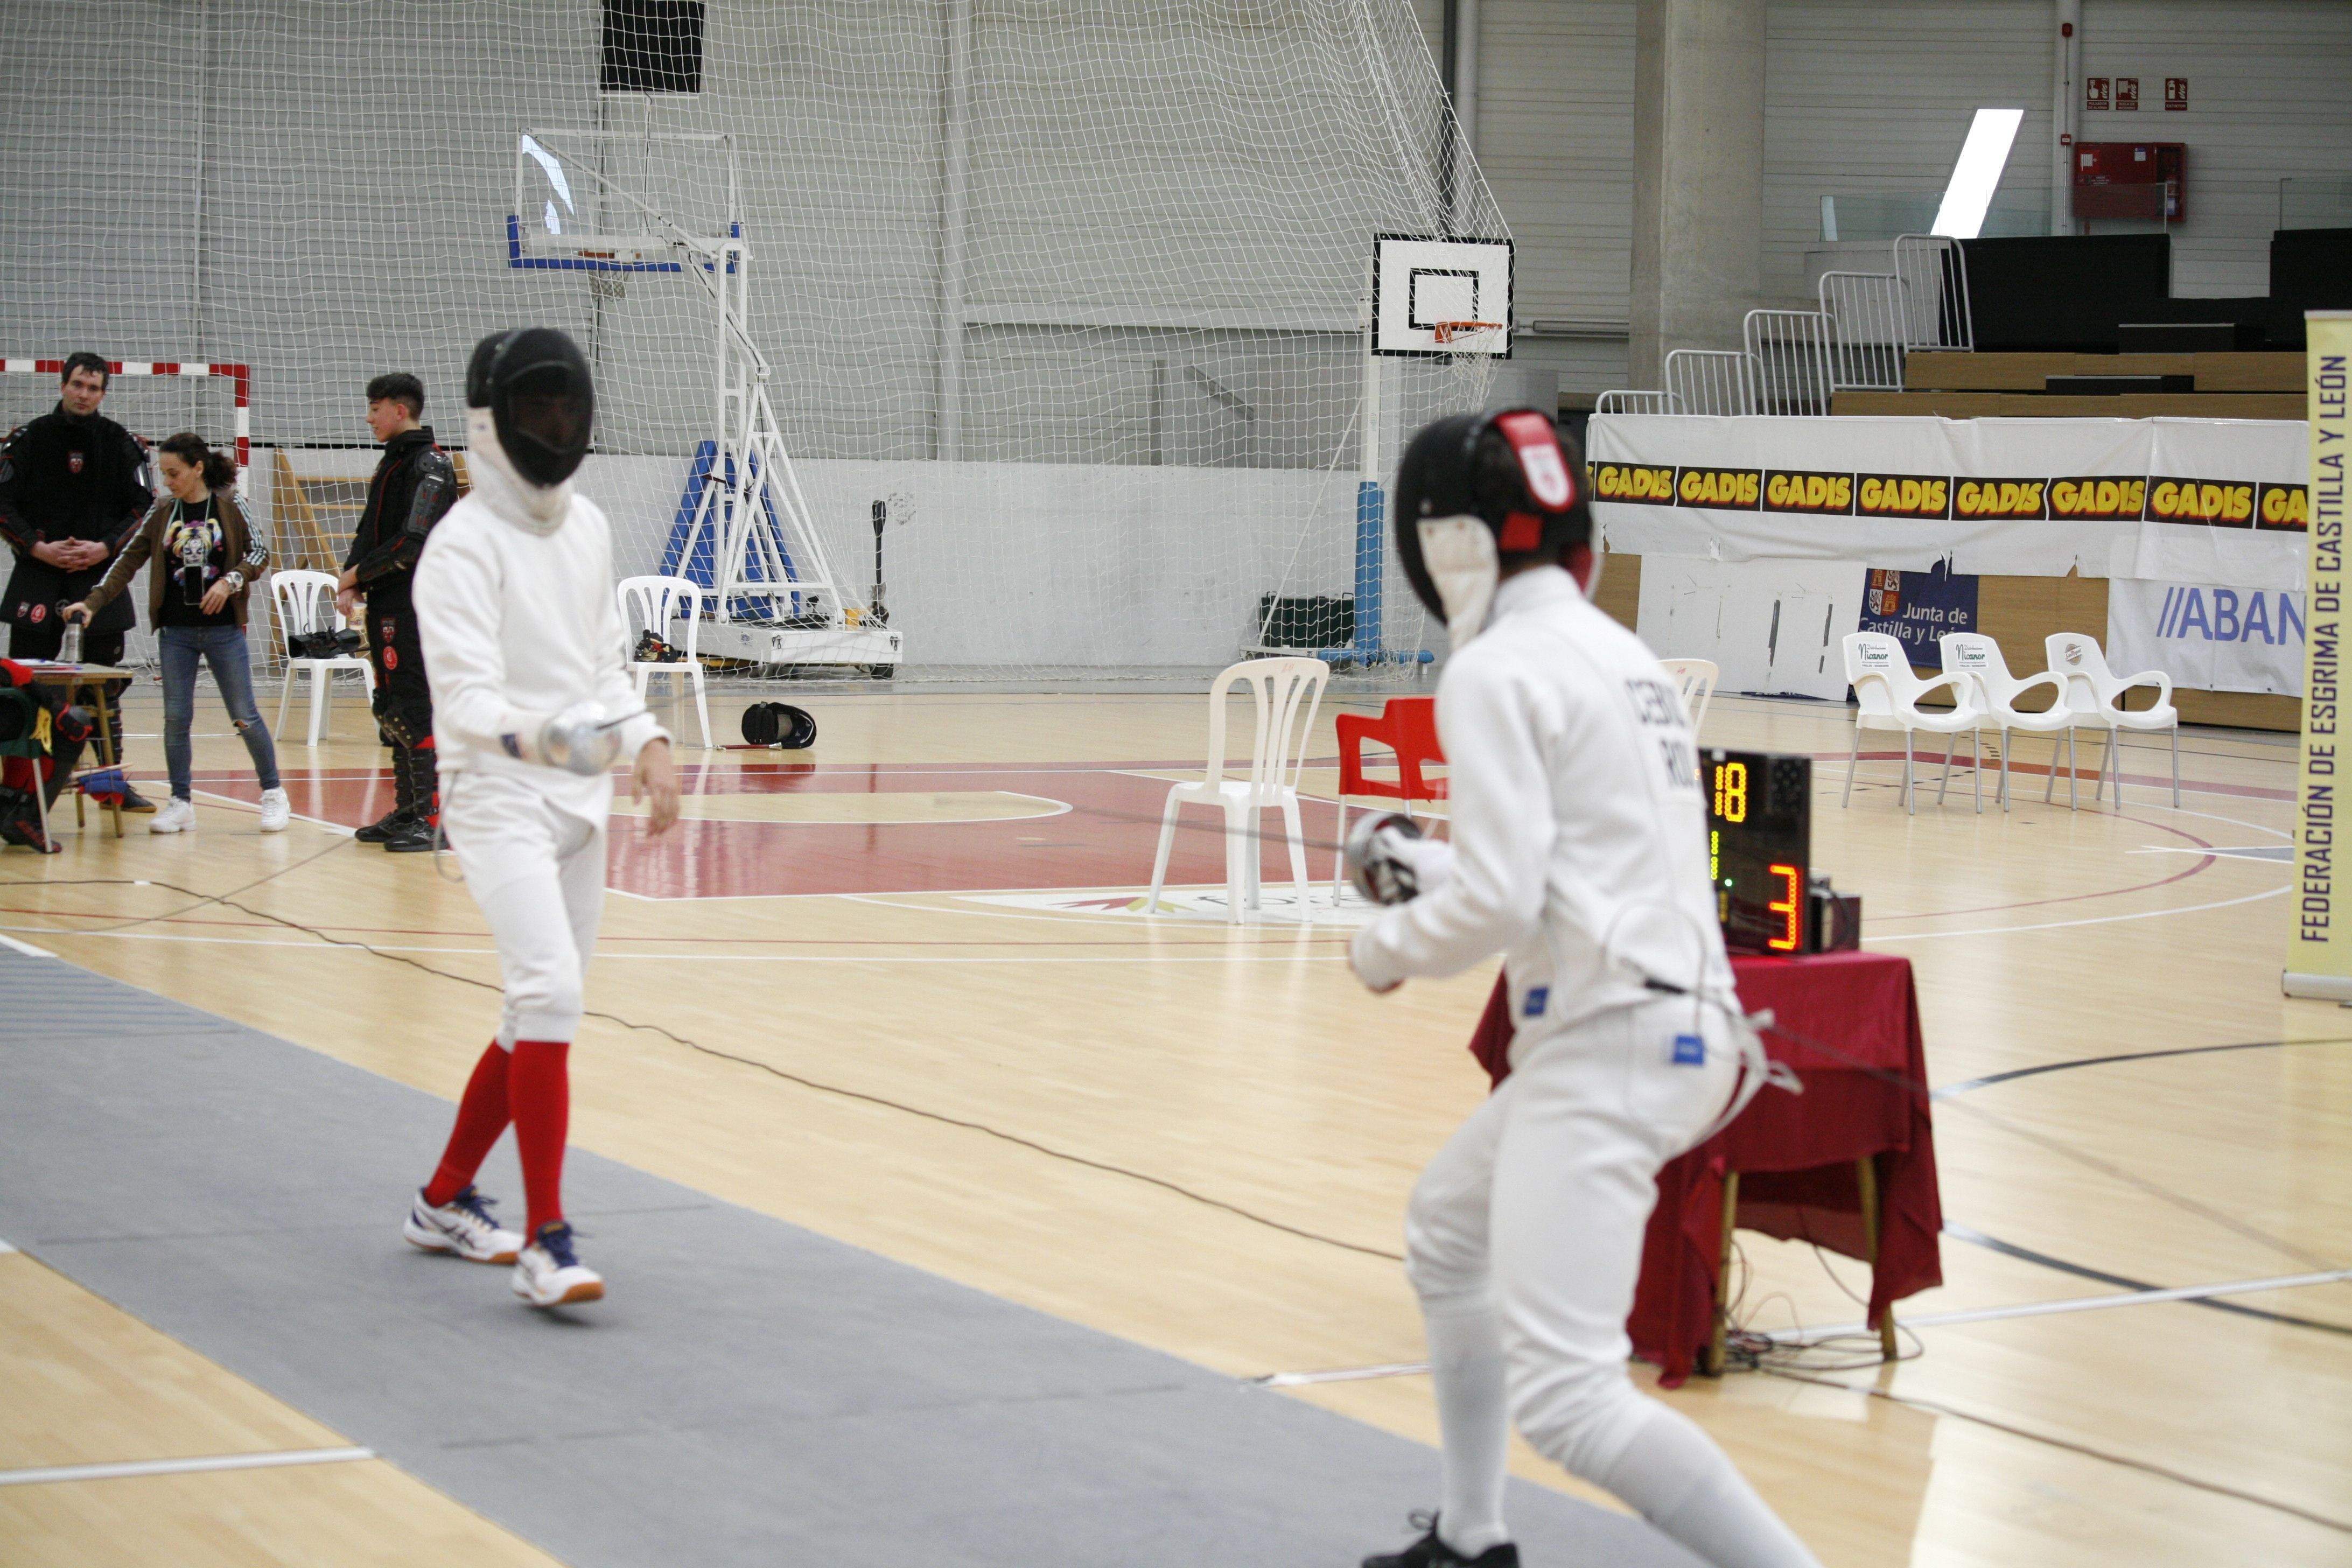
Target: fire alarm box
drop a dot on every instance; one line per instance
(2131, 179)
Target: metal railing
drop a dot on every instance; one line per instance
(1631, 402)
(1934, 273)
(1712, 381)
(1792, 353)
(1867, 323)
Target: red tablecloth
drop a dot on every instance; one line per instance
(1795, 1152)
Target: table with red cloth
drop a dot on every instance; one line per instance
(1796, 1155)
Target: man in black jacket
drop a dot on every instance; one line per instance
(413, 485)
(73, 492)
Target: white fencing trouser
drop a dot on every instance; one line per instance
(1524, 1240)
(538, 872)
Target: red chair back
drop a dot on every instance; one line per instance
(1407, 726)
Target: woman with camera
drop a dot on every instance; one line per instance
(207, 560)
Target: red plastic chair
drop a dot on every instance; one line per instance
(1407, 726)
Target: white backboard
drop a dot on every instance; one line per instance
(1419, 282)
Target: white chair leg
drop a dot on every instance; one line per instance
(640, 676)
(1910, 805)
(1252, 839)
(701, 705)
(367, 678)
(1295, 832)
(1952, 744)
(1160, 861)
(2176, 767)
(285, 694)
(2105, 757)
(2004, 770)
(1853, 761)
(2051, 782)
(1975, 768)
(317, 702)
(1237, 888)
(1340, 854)
(2073, 771)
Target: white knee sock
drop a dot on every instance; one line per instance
(1683, 1484)
(1465, 1362)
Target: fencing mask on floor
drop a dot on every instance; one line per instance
(1477, 492)
(535, 385)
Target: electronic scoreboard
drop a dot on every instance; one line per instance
(1759, 852)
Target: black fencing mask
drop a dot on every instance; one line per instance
(542, 402)
(780, 724)
(1477, 491)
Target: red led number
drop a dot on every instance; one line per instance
(1786, 909)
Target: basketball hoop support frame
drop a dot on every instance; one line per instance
(750, 508)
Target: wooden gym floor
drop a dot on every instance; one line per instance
(892, 990)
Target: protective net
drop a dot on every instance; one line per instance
(1070, 288)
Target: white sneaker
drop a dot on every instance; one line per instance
(276, 811)
(462, 1226)
(177, 816)
(548, 1274)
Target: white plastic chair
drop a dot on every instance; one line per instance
(304, 602)
(1886, 697)
(1979, 658)
(1279, 687)
(654, 602)
(1696, 678)
(2095, 695)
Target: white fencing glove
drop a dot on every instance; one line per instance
(1390, 862)
(579, 739)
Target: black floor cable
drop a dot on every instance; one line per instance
(1900, 1080)
(227, 900)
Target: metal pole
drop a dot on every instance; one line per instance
(953, 200)
(2065, 96)
(1370, 556)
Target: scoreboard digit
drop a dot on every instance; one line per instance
(1760, 847)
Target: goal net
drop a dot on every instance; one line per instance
(1064, 301)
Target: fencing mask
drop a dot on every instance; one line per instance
(534, 383)
(1477, 492)
(780, 724)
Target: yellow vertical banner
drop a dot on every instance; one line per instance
(2320, 949)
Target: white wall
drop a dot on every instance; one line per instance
(2267, 96)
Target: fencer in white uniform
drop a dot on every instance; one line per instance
(1578, 852)
(533, 705)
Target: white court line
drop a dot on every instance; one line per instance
(2061, 925)
(5, 1248)
(26, 948)
(182, 1467)
(234, 803)
(1933, 1321)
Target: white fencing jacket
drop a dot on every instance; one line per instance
(1578, 832)
(519, 622)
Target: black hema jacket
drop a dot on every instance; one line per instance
(413, 485)
(63, 477)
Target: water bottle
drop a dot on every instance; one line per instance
(69, 648)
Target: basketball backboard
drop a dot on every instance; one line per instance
(621, 201)
(1439, 298)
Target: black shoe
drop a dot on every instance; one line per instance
(412, 837)
(1430, 1552)
(383, 828)
(133, 801)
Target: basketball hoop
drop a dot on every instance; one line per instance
(1466, 335)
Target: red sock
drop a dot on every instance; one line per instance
(481, 1116)
(540, 1090)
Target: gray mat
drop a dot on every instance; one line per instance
(750, 1394)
